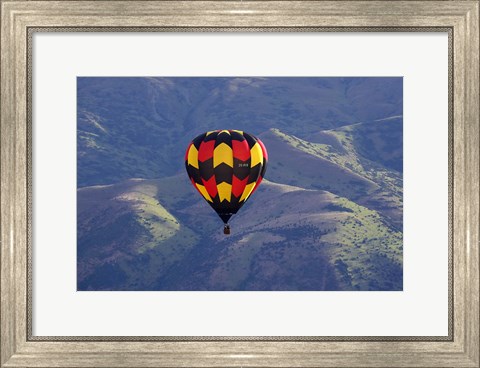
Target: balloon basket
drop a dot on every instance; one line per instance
(226, 229)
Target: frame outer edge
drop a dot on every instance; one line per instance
(472, 146)
(12, 153)
(7, 178)
(466, 186)
(257, 8)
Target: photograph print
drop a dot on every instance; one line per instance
(240, 183)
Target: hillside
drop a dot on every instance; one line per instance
(337, 165)
(327, 241)
(139, 127)
(328, 215)
(379, 141)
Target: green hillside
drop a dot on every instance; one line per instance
(166, 235)
(122, 225)
(336, 165)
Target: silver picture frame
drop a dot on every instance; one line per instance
(20, 20)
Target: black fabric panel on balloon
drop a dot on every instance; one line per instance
(210, 137)
(223, 173)
(222, 207)
(234, 204)
(198, 140)
(241, 169)
(264, 167)
(254, 173)
(226, 207)
(219, 208)
(237, 136)
(215, 202)
(194, 174)
(251, 140)
(223, 138)
(206, 168)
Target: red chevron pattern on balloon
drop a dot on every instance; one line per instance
(226, 167)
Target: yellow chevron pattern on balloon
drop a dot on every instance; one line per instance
(224, 131)
(193, 156)
(204, 192)
(224, 191)
(256, 155)
(223, 154)
(246, 192)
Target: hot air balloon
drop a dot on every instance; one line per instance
(226, 167)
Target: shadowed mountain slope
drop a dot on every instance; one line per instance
(139, 127)
(163, 237)
(379, 141)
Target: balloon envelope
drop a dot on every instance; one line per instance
(226, 167)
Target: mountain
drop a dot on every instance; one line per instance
(139, 127)
(338, 161)
(379, 141)
(328, 215)
(161, 236)
(317, 169)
